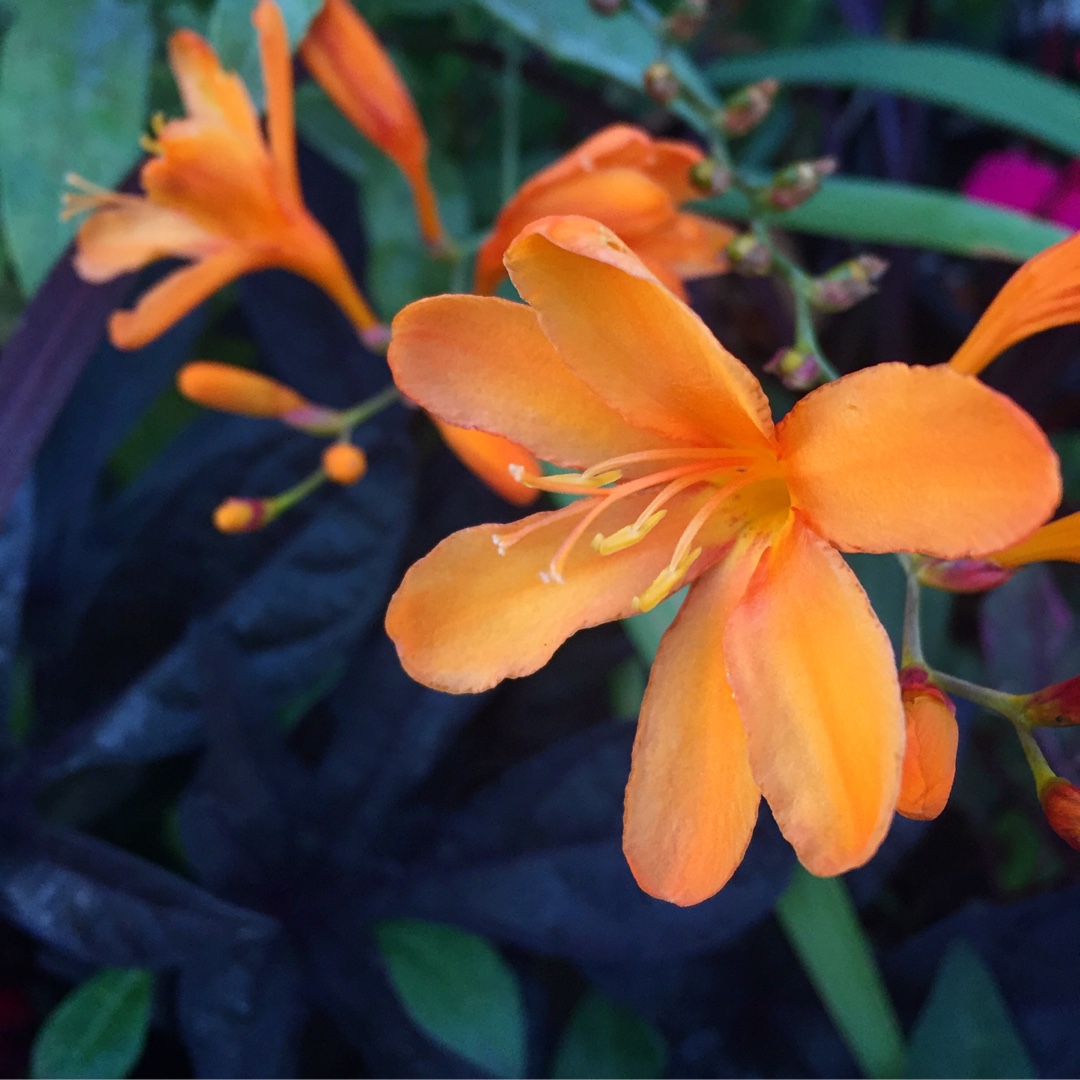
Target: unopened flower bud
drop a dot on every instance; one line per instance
(344, 463)
(960, 575)
(1061, 804)
(930, 748)
(749, 256)
(687, 19)
(660, 83)
(845, 285)
(797, 370)
(793, 185)
(237, 390)
(243, 515)
(710, 177)
(607, 7)
(1054, 706)
(744, 110)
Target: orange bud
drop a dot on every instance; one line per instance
(237, 390)
(348, 61)
(1054, 706)
(960, 575)
(344, 463)
(242, 515)
(1061, 804)
(930, 749)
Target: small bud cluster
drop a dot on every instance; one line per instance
(743, 111)
(793, 185)
(660, 83)
(711, 177)
(845, 285)
(749, 256)
(797, 370)
(687, 19)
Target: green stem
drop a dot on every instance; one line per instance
(510, 98)
(911, 651)
(1007, 705)
(368, 408)
(288, 499)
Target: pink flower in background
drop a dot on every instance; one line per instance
(1014, 179)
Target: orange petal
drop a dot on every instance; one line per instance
(484, 362)
(815, 682)
(1059, 541)
(276, 60)
(622, 333)
(1044, 292)
(929, 753)
(208, 175)
(624, 200)
(174, 296)
(898, 458)
(466, 617)
(348, 61)
(211, 95)
(690, 246)
(691, 802)
(491, 457)
(133, 233)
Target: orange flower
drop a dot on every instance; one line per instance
(218, 194)
(634, 185)
(1044, 292)
(347, 60)
(776, 677)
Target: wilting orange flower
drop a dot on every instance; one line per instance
(776, 677)
(1044, 292)
(347, 60)
(218, 194)
(633, 184)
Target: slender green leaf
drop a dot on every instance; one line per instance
(881, 212)
(99, 1029)
(964, 1028)
(823, 927)
(233, 36)
(459, 990)
(73, 98)
(604, 1041)
(980, 85)
(619, 46)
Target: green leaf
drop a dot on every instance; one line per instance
(99, 1029)
(881, 212)
(983, 86)
(823, 927)
(459, 990)
(604, 1041)
(964, 1028)
(233, 36)
(618, 46)
(73, 98)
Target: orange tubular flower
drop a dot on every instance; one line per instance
(930, 749)
(776, 678)
(633, 184)
(218, 194)
(347, 60)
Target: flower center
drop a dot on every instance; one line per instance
(666, 473)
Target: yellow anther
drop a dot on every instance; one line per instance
(667, 581)
(627, 536)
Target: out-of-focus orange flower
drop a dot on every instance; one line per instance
(930, 748)
(632, 183)
(1044, 292)
(218, 194)
(776, 677)
(347, 60)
